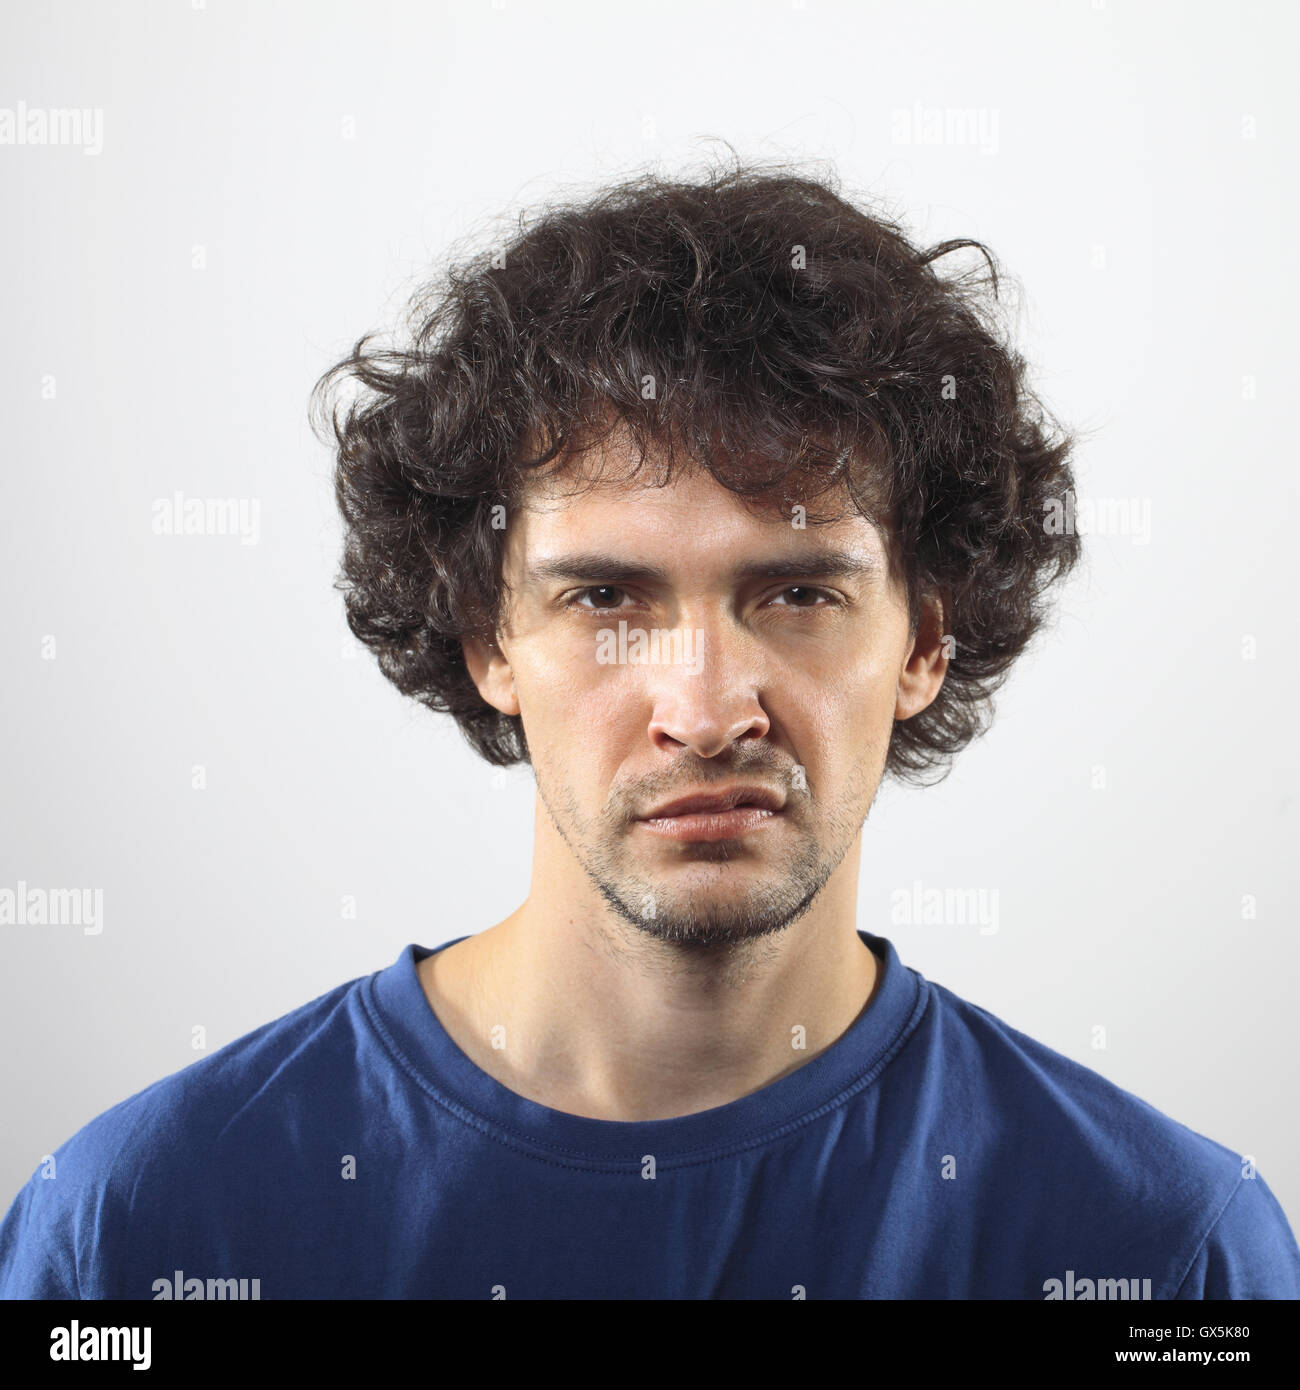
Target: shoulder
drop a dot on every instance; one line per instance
(151, 1155)
(1136, 1175)
(1055, 1100)
(215, 1095)
(1249, 1251)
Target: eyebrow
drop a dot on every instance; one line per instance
(812, 564)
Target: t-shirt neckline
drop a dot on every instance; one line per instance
(396, 1005)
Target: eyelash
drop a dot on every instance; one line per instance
(808, 588)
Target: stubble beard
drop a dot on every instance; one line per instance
(709, 920)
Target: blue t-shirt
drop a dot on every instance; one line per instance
(351, 1150)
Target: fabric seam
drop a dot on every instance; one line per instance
(1205, 1238)
(532, 1148)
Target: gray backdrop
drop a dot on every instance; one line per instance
(228, 194)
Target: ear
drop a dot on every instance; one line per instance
(927, 659)
(490, 671)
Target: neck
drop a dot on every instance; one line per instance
(599, 1019)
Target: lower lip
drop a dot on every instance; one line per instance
(711, 825)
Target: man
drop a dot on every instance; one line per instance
(717, 504)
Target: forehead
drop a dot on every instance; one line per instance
(691, 523)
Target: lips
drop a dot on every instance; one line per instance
(704, 803)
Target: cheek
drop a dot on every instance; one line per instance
(856, 675)
(840, 717)
(839, 714)
(567, 700)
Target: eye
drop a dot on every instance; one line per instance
(805, 592)
(600, 591)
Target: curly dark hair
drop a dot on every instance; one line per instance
(797, 347)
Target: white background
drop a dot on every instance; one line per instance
(1140, 187)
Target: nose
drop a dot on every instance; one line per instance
(708, 705)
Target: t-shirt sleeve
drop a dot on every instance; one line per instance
(36, 1261)
(1250, 1251)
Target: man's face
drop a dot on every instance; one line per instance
(669, 643)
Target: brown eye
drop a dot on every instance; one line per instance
(606, 596)
(805, 597)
